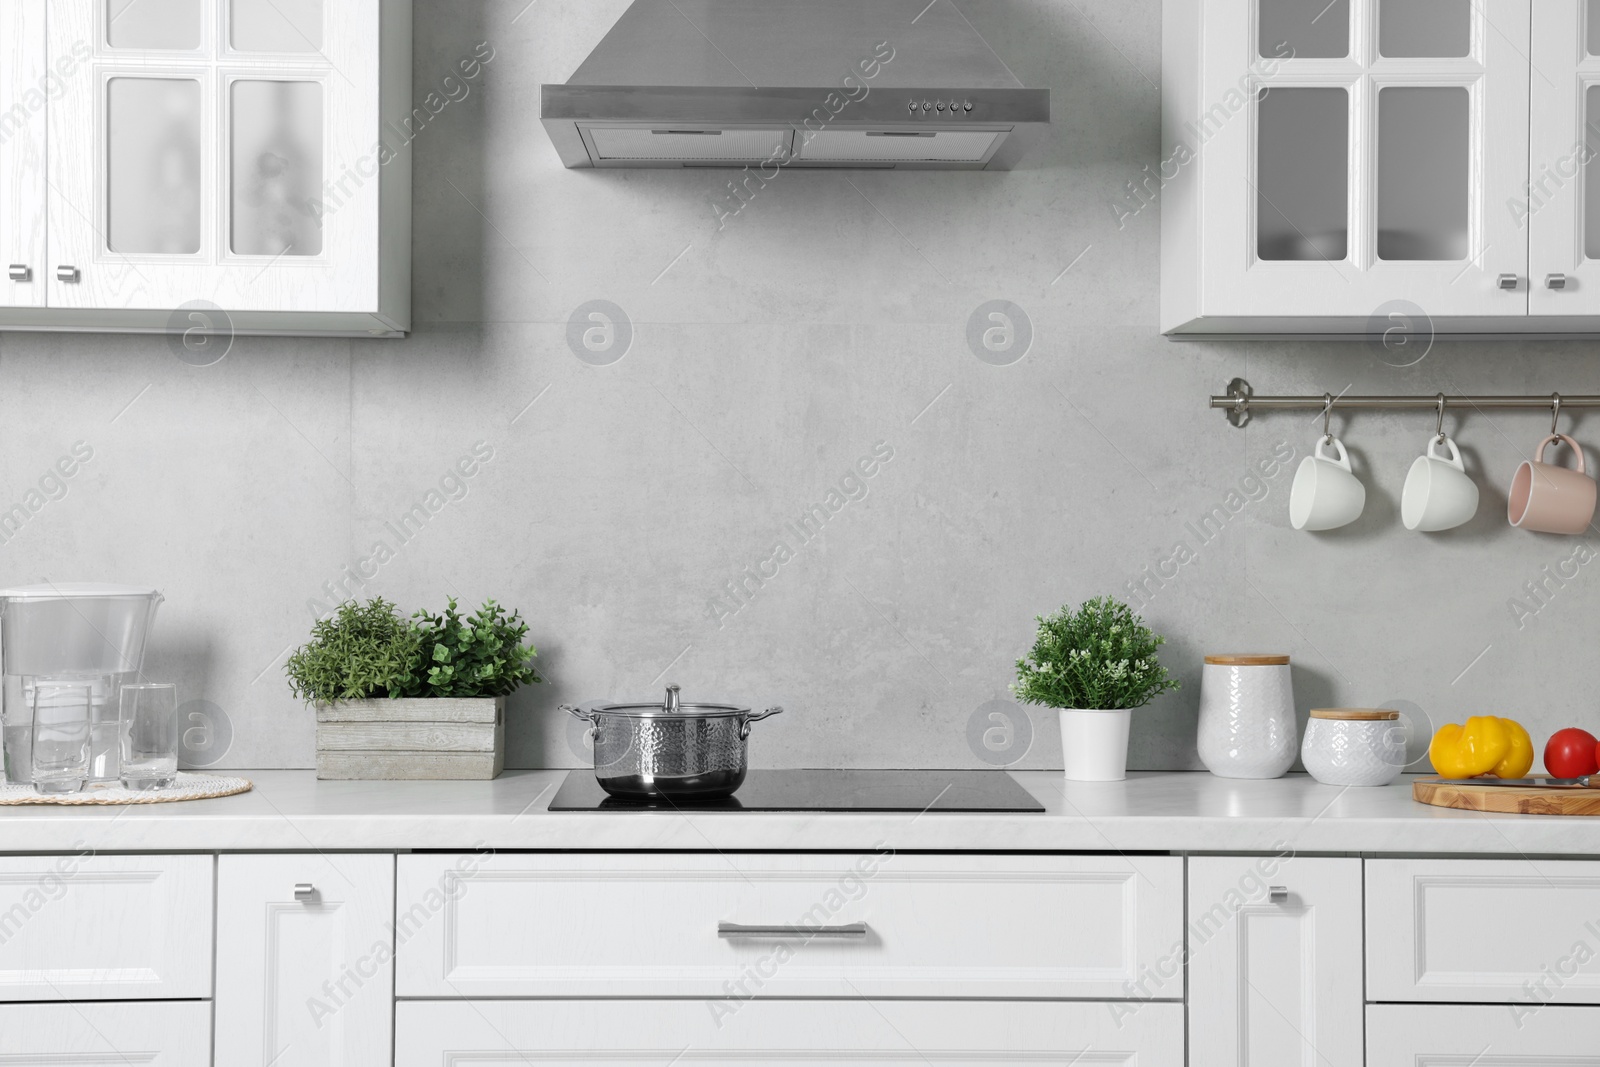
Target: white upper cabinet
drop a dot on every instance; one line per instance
(243, 154)
(22, 153)
(1561, 209)
(1324, 160)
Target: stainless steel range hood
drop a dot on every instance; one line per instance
(796, 83)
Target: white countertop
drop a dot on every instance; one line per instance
(1150, 812)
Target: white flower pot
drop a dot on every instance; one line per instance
(1094, 743)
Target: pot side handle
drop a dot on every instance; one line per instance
(575, 712)
(744, 727)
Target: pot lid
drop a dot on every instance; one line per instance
(65, 590)
(671, 705)
(659, 711)
(1249, 659)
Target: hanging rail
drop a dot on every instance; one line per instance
(1240, 402)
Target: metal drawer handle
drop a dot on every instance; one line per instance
(305, 891)
(66, 274)
(1509, 282)
(1278, 894)
(21, 272)
(850, 930)
(1555, 281)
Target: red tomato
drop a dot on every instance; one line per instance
(1572, 753)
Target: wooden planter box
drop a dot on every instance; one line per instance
(412, 738)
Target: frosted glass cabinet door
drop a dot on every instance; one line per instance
(1353, 152)
(22, 146)
(1561, 209)
(218, 150)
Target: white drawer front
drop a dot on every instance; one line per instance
(114, 1035)
(640, 925)
(1274, 983)
(700, 1033)
(1495, 931)
(80, 927)
(1453, 1035)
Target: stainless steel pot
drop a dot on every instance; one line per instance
(671, 750)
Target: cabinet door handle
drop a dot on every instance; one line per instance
(803, 933)
(66, 273)
(1278, 894)
(305, 891)
(1555, 281)
(1509, 282)
(20, 272)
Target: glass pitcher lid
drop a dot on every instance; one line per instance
(67, 590)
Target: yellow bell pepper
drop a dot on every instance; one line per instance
(1518, 759)
(1485, 745)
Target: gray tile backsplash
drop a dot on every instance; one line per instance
(633, 508)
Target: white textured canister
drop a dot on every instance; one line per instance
(1354, 746)
(1247, 727)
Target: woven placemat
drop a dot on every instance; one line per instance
(187, 787)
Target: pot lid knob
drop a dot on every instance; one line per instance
(671, 704)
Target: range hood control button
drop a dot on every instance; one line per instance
(926, 106)
(913, 105)
(941, 105)
(969, 105)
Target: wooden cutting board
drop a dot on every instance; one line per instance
(1528, 800)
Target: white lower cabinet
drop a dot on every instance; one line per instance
(305, 960)
(954, 960)
(81, 927)
(831, 925)
(1274, 981)
(702, 1033)
(1484, 1035)
(147, 1034)
(1484, 931)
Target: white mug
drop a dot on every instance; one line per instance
(1438, 494)
(1326, 494)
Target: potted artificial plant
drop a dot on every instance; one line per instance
(1095, 664)
(411, 698)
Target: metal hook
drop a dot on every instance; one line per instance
(1439, 429)
(1555, 412)
(1327, 416)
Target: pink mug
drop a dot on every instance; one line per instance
(1552, 499)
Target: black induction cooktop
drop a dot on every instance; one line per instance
(828, 790)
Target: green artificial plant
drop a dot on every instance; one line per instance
(363, 651)
(1100, 656)
(479, 656)
(359, 651)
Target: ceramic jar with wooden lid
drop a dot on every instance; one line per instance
(1354, 746)
(1247, 727)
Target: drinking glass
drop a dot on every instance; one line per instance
(148, 721)
(62, 712)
